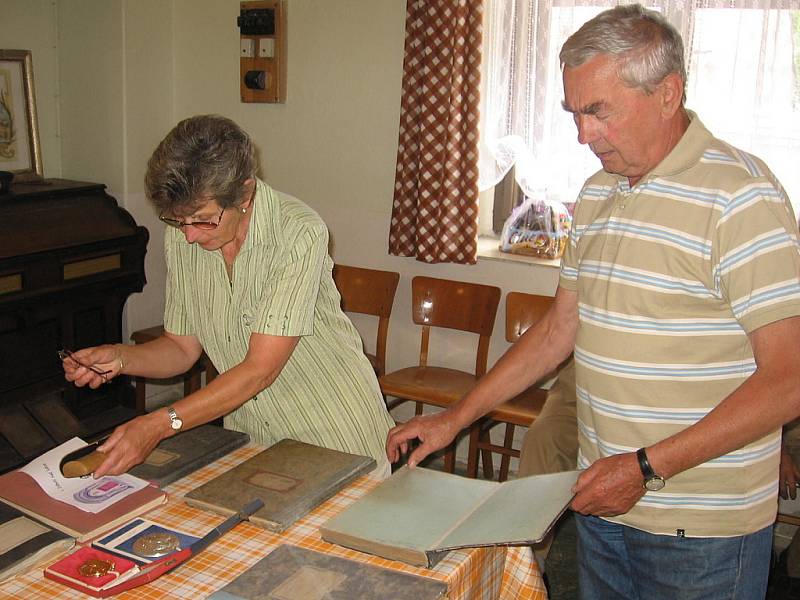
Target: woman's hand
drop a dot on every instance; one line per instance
(132, 442)
(92, 366)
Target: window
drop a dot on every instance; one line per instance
(743, 65)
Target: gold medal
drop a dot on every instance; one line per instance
(95, 567)
(154, 545)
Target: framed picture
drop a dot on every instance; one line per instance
(20, 152)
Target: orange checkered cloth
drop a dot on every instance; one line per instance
(477, 574)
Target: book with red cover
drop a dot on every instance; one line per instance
(23, 493)
(67, 571)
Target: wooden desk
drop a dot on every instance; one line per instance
(479, 574)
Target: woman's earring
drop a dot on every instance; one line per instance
(244, 210)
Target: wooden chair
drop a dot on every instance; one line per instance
(468, 307)
(191, 379)
(522, 311)
(369, 292)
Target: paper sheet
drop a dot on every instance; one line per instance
(84, 493)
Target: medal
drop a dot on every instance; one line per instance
(95, 567)
(154, 545)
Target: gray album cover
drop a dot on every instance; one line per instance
(293, 573)
(181, 454)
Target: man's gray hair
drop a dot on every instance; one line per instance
(204, 157)
(647, 47)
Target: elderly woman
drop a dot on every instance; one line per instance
(248, 281)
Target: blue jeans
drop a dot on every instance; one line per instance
(615, 562)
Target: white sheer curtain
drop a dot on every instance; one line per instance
(742, 58)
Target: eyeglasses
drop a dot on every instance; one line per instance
(206, 225)
(67, 354)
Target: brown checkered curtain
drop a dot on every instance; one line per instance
(435, 210)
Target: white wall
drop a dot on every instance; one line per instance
(31, 25)
(129, 70)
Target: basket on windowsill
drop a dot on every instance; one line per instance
(537, 228)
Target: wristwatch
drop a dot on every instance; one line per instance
(174, 420)
(652, 482)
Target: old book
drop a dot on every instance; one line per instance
(416, 514)
(106, 502)
(26, 543)
(291, 477)
(292, 573)
(186, 452)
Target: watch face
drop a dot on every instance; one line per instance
(177, 423)
(654, 484)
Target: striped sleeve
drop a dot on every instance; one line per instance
(756, 259)
(288, 308)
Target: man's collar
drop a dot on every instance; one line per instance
(688, 151)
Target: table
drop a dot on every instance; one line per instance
(476, 574)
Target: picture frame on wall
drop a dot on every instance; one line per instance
(20, 152)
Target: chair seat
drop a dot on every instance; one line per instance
(522, 409)
(437, 386)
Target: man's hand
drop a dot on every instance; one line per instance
(610, 487)
(789, 476)
(434, 431)
(131, 443)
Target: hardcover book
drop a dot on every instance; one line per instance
(82, 508)
(292, 573)
(417, 514)
(292, 478)
(26, 543)
(179, 455)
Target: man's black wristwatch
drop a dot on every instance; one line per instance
(652, 482)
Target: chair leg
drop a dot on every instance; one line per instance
(486, 454)
(418, 409)
(191, 382)
(450, 458)
(139, 383)
(473, 452)
(508, 443)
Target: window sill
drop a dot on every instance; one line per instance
(488, 250)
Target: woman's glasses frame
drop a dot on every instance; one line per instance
(206, 225)
(67, 354)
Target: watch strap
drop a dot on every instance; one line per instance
(644, 464)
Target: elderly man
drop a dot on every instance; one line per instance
(680, 294)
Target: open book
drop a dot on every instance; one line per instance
(417, 513)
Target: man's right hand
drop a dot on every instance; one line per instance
(433, 431)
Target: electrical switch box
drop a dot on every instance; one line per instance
(262, 30)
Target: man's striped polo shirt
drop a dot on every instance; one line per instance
(671, 276)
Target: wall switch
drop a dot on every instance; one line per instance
(247, 47)
(266, 47)
(262, 55)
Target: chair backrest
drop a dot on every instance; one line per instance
(369, 292)
(470, 307)
(523, 311)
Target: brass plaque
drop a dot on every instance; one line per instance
(92, 266)
(11, 283)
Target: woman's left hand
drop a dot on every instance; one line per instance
(131, 443)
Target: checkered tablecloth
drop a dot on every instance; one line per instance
(479, 574)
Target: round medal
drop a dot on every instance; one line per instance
(154, 545)
(95, 567)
